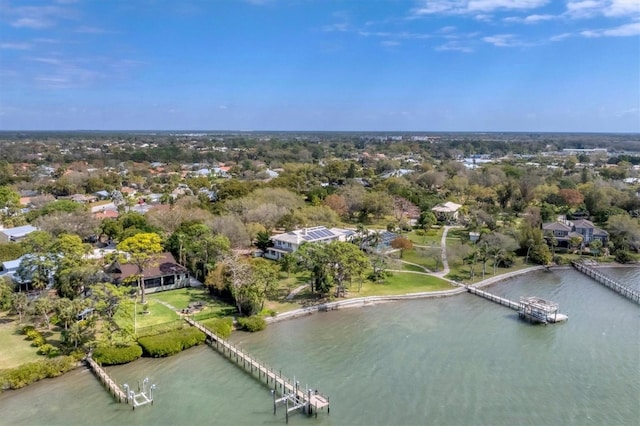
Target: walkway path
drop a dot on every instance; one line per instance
(295, 291)
(443, 245)
(414, 264)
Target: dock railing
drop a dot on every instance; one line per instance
(111, 385)
(607, 281)
(272, 377)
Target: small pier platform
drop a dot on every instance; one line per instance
(111, 386)
(587, 269)
(292, 395)
(534, 309)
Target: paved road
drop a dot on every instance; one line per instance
(443, 245)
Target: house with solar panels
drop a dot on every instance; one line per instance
(291, 241)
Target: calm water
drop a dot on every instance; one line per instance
(454, 361)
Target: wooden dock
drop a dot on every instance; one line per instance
(533, 309)
(111, 386)
(499, 300)
(308, 400)
(607, 281)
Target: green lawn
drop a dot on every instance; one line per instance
(416, 256)
(408, 267)
(401, 283)
(158, 314)
(14, 348)
(432, 237)
(181, 298)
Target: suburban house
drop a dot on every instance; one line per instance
(10, 269)
(447, 212)
(14, 235)
(563, 230)
(291, 241)
(163, 274)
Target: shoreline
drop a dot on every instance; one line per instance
(374, 300)
(462, 288)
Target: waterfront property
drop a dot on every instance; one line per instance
(289, 242)
(563, 230)
(164, 274)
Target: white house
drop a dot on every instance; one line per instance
(291, 241)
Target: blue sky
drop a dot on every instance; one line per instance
(441, 65)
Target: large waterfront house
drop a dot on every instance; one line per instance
(563, 230)
(163, 274)
(289, 242)
(17, 234)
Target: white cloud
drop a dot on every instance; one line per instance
(15, 46)
(609, 8)
(504, 40)
(34, 23)
(35, 17)
(626, 30)
(531, 19)
(454, 46)
(480, 7)
(390, 43)
(559, 37)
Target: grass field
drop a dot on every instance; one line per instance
(158, 314)
(432, 237)
(401, 283)
(14, 349)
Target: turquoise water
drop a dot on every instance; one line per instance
(455, 361)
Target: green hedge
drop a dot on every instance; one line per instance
(171, 343)
(115, 355)
(221, 326)
(18, 377)
(252, 323)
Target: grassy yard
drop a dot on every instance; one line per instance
(432, 237)
(400, 283)
(158, 314)
(14, 348)
(419, 257)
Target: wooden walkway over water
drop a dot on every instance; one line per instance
(111, 386)
(499, 300)
(607, 281)
(534, 309)
(309, 400)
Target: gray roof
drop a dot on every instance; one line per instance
(19, 231)
(556, 226)
(583, 224)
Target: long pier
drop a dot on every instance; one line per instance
(607, 281)
(111, 386)
(499, 300)
(308, 400)
(534, 309)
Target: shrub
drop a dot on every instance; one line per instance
(167, 344)
(48, 350)
(33, 334)
(27, 328)
(221, 326)
(252, 323)
(38, 341)
(420, 232)
(18, 377)
(114, 355)
(623, 256)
